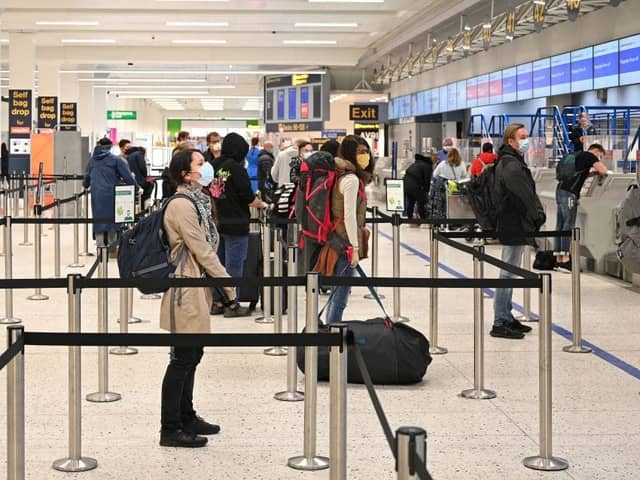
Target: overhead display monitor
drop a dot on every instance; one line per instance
(461, 94)
(435, 100)
(472, 92)
(561, 74)
(509, 85)
(605, 65)
(444, 106)
(293, 104)
(524, 87)
(629, 60)
(452, 101)
(297, 98)
(542, 78)
(483, 90)
(280, 104)
(582, 69)
(495, 87)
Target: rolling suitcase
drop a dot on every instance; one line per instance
(252, 268)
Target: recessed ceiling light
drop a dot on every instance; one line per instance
(309, 42)
(146, 80)
(199, 42)
(165, 87)
(346, 1)
(231, 97)
(4, 40)
(88, 40)
(192, 1)
(195, 72)
(155, 92)
(197, 24)
(327, 24)
(69, 24)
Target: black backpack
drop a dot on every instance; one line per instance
(481, 193)
(144, 250)
(566, 168)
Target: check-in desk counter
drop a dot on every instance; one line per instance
(596, 215)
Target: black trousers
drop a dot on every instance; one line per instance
(177, 387)
(420, 201)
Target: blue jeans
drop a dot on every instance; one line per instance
(339, 295)
(567, 208)
(233, 253)
(502, 305)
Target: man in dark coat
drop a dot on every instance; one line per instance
(104, 172)
(520, 211)
(266, 185)
(417, 181)
(138, 166)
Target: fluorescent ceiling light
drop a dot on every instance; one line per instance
(165, 87)
(153, 93)
(197, 24)
(192, 1)
(346, 1)
(150, 80)
(4, 40)
(309, 42)
(88, 40)
(197, 72)
(326, 24)
(187, 96)
(70, 24)
(199, 42)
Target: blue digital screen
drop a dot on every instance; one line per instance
(304, 102)
(451, 97)
(509, 85)
(495, 87)
(292, 104)
(420, 106)
(582, 69)
(524, 81)
(561, 74)
(472, 92)
(461, 94)
(482, 90)
(444, 107)
(280, 104)
(605, 65)
(435, 100)
(542, 78)
(630, 60)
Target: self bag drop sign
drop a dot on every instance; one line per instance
(20, 113)
(47, 113)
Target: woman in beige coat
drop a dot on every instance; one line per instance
(193, 238)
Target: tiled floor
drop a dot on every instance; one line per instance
(596, 404)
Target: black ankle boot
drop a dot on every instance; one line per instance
(179, 438)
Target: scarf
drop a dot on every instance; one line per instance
(203, 204)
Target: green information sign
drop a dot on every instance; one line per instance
(121, 115)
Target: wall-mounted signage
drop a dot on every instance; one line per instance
(47, 113)
(122, 115)
(295, 127)
(20, 113)
(68, 116)
(368, 113)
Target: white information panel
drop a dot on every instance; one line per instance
(395, 195)
(125, 204)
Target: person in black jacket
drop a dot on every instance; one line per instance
(417, 181)
(4, 157)
(581, 130)
(266, 185)
(520, 211)
(136, 157)
(233, 195)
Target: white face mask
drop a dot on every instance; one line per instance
(306, 155)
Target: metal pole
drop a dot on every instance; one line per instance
(526, 316)
(103, 394)
(56, 242)
(37, 258)
(8, 274)
(338, 406)
(5, 212)
(397, 317)
(76, 235)
(309, 460)
(374, 251)
(576, 300)
(16, 197)
(266, 265)
(125, 294)
(25, 210)
(433, 267)
(411, 448)
(478, 392)
(277, 296)
(545, 460)
(131, 318)
(15, 409)
(292, 394)
(75, 462)
(85, 227)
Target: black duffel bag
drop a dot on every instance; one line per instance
(394, 355)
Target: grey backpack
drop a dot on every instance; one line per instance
(628, 230)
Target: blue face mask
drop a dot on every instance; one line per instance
(524, 145)
(206, 174)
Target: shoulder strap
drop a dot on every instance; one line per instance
(455, 177)
(182, 195)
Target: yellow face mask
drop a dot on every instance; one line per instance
(363, 160)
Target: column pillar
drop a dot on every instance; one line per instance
(48, 79)
(22, 58)
(85, 109)
(99, 112)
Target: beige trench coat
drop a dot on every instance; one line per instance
(192, 305)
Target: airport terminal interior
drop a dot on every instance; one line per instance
(407, 81)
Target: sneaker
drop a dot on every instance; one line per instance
(199, 426)
(237, 312)
(519, 327)
(180, 438)
(503, 331)
(564, 265)
(217, 309)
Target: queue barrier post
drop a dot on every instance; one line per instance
(8, 274)
(411, 449)
(277, 296)
(85, 227)
(478, 392)
(266, 265)
(125, 294)
(374, 252)
(526, 316)
(15, 409)
(37, 257)
(397, 316)
(103, 394)
(291, 394)
(16, 197)
(338, 406)
(576, 300)
(56, 243)
(25, 210)
(131, 318)
(5, 213)
(76, 235)
(75, 462)
(545, 459)
(309, 460)
(434, 349)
